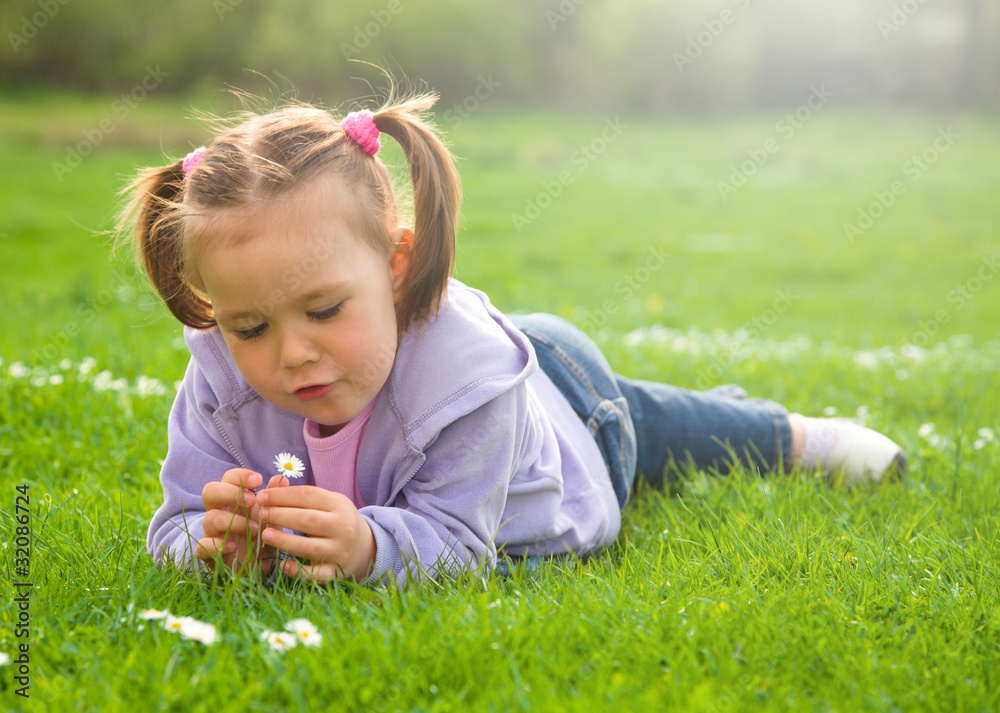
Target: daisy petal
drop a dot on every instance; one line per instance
(305, 632)
(288, 465)
(278, 640)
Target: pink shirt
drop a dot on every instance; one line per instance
(334, 459)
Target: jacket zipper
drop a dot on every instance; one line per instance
(399, 488)
(229, 442)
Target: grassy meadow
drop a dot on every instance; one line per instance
(776, 593)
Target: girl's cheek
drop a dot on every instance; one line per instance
(250, 365)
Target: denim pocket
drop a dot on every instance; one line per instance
(581, 373)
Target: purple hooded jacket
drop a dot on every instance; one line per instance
(470, 447)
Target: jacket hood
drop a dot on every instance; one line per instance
(453, 362)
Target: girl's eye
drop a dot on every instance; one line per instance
(247, 334)
(328, 313)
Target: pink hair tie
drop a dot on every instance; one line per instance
(360, 126)
(192, 160)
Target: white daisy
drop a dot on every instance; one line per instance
(279, 640)
(190, 628)
(986, 433)
(305, 632)
(926, 430)
(174, 623)
(288, 465)
(4, 659)
(198, 631)
(154, 614)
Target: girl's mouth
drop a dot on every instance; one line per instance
(313, 392)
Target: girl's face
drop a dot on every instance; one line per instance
(305, 305)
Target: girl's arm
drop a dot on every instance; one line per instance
(444, 519)
(193, 459)
(447, 516)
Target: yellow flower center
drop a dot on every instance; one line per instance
(289, 466)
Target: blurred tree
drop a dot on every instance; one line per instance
(601, 55)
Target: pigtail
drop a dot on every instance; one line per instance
(437, 196)
(153, 216)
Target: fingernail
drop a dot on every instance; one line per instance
(268, 535)
(249, 499)
(262, 498)
(263, 514)
(229, 547)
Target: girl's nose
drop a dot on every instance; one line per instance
(297, 349)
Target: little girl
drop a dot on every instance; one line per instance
(423, 431)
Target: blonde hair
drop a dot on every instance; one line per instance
(268, 155)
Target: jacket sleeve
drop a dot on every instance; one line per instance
(446, 517)
(194, 458)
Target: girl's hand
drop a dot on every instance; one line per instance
(340, 544)
(232, 523)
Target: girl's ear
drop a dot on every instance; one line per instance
(400, 262)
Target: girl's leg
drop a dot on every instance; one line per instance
(653, 428)
(678, 428)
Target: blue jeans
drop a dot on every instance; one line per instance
(651, 428)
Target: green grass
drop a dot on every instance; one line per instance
(785, 593)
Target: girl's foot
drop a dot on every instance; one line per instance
(836, 445)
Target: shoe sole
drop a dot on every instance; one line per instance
(897, 469)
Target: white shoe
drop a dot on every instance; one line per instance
(862, 454)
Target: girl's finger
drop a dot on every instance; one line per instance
(278, 481)
(315, 523)
(316, 548)
(242, 478)
(217, 495)
(208, 548)
(315, 573)
(221, 522)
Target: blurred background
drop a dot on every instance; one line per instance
(769, 168)
(676, 56)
